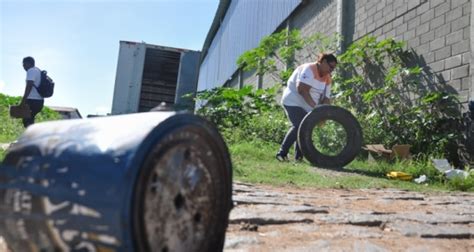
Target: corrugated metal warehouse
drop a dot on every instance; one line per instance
(438, 31)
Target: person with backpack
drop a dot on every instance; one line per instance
(31, 96)
(308, 86)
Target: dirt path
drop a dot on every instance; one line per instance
(290, 219)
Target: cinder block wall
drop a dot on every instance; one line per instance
(314, 17)
(437, 31)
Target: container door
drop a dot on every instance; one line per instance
(187, 79)
(128, 77)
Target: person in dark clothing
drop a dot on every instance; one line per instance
(31, 96)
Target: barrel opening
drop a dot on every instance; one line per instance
(197, 217)
(179, 201)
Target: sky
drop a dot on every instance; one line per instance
(77, 42)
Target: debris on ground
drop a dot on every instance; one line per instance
(441, 165)
(421, 179)
(456, 173)
(399, 175)
(399, 151)
(444, 167)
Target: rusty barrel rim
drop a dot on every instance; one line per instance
(182, 196)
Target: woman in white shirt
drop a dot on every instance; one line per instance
(308, 86)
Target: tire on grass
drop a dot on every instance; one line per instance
(353, 136)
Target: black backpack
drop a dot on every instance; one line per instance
(46, 87)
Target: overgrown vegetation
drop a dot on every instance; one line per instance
(10, 129)
(275, 54)
(392, 99)
(245, 114)
(396, 101)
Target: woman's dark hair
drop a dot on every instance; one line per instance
(29, 60)
(329, 57)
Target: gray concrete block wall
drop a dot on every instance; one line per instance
(314, 16)
(438, 31)
(311, 18)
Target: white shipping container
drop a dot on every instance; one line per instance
(148, 75)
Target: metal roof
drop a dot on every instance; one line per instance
(165, 48)
(238, 26)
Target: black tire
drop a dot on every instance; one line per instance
(353, 136)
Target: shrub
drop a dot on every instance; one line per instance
(11, 128)
(244, 114)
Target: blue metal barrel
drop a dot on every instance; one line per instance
(156, 181)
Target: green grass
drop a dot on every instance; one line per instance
(255, 163)
(11, 128)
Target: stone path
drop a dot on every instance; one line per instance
(289, 219)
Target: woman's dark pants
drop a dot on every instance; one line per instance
(295, 115)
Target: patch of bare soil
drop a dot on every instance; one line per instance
(269, 218)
